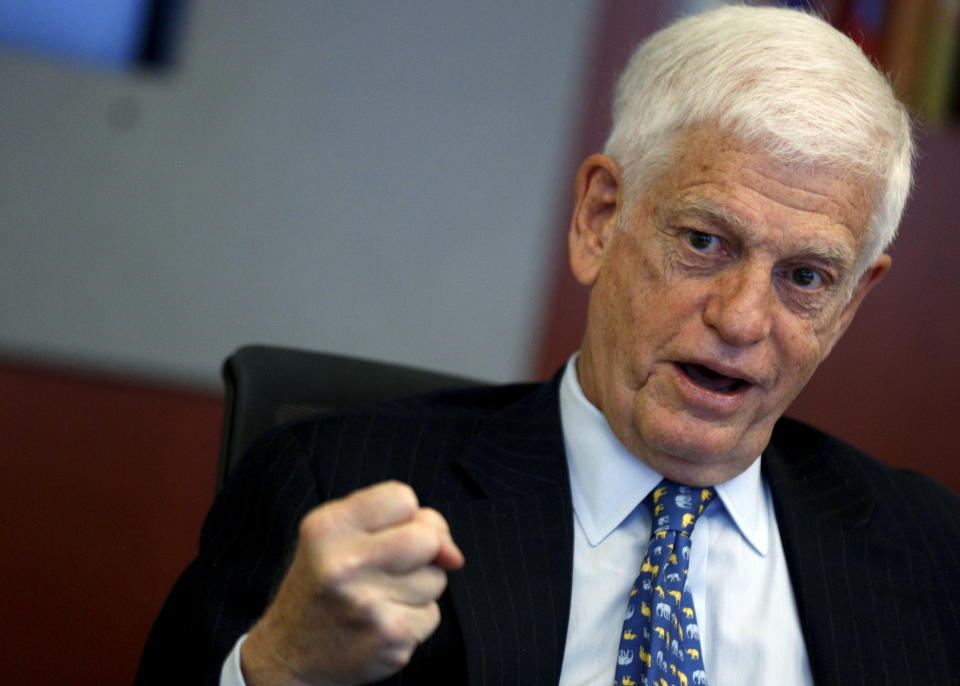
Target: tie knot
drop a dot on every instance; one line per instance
(676, 507)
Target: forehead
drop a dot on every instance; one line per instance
(744, 186)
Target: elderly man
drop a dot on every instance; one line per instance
(646, 517)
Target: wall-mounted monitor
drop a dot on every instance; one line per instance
(115, 34)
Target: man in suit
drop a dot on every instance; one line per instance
(756, 172)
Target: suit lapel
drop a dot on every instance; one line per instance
(512, 598)
(856, 619)
(815, 508)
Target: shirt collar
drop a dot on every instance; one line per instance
(608, 482)
(746, 499)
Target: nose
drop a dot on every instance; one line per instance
(740, 306)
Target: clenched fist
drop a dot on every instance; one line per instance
(360, 594)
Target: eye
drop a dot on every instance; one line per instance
(805, 277)
(703, 242)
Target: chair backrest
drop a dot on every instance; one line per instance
(265, 386)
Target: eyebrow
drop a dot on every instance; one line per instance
(729, 220)
(707, 209)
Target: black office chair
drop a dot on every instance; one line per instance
(265, 386)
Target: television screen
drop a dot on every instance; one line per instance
(119, 34)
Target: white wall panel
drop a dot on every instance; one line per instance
(375, 178)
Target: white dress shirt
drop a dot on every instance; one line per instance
(749, 628)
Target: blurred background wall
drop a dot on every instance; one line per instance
(379, 179)
(370, 177)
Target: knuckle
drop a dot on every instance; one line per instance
(397, 657)
(439, 580)
(334, 570)
(388, 628)
(358, 609)
(430, 582)
(319, 523)
(396, 630)
(428, 619)
(433, 617)
(400, 496)
(433, 518)
(368, 609)
(401, 493)
(412, 537)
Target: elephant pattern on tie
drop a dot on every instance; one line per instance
(665, 633)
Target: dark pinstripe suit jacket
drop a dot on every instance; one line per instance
(874, 554)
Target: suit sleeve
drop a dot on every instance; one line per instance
(245, 547)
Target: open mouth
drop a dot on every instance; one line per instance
(711, 380)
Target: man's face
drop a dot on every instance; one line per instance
(714, 299)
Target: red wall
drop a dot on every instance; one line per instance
(105, 484)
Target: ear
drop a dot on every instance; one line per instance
(870, 278)
(595, 216)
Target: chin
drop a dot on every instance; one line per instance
(699, 453)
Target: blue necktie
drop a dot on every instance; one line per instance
(660, 643)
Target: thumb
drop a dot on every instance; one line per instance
(449, 556)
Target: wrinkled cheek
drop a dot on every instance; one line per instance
(658, 390)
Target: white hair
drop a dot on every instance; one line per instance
(781, 78)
